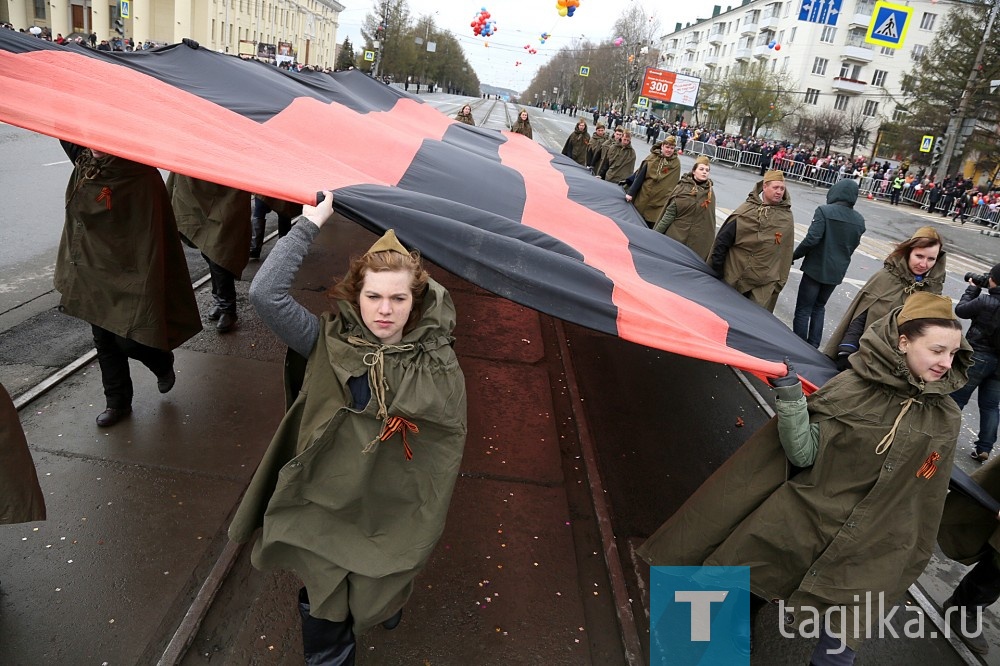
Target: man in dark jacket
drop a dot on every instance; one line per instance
(833, 236)
(984, 336)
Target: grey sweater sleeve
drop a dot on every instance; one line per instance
(297, 327)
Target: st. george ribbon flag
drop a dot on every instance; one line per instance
(493, 207)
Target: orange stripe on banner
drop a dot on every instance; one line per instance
(306, 148)
(647, 314)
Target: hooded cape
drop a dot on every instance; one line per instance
(854, 522)
(357, 527)
(694, 215)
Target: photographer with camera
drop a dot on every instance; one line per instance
(984, 336)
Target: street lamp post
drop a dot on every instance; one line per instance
(956, 124)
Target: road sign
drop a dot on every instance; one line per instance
(642, 102)
(926, 142)
(124, 8)
(820, 11)
(584, 70)
(369, 56)
(889, 24)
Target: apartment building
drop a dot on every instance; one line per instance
(830, 66)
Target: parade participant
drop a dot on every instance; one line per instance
(619, 160)
(601, 161)
(689, 216)
(984, 336)
(286, 212)
(213, 219)
(465, 116)
(969, 534)
(21, 499)
(577, 143)
(753, 249)
(121, 268)
(917, 264)
(833, 236)
(381, 413)
(873, 450)
(655, 180)
(597, 143)
(522, 125)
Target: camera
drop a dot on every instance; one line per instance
(982, 281)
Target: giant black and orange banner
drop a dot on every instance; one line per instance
(492, 207)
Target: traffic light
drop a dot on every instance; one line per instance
(959, 146)
(937, 150)
(120, 26)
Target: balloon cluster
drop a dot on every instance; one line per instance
(543, 37)
(567, 7)
(530, 49)
(482, 25)
(619, 41)
(774, 45)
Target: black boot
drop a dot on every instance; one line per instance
(325, 643)
(978, 589)
(257, 225)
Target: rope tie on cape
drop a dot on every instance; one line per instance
(886, 442)
(912, 287)
(375, 360)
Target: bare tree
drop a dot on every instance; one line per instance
(858, 126)
(829, 125)
(764, 98)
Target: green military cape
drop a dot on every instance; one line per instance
(576, 145)
(760, 258)
(662, 176)
(215, 218)
(969, 531)
(621, 162)
(21, 499)
(885, 290)
(358, 527)
(120, 264)
(853, 522)
(694, 217)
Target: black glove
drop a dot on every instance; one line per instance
(843, 356)
(789, 379)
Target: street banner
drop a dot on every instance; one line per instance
(668, 86)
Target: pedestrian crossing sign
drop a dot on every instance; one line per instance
(926, 142)
(584, 70)
(889, 24)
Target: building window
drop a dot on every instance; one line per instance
(849, 71)
(791, 35)
(812, 96)
(828, 34)
(887, 51)
(40, 9)
(900, 114)
(927, 22)
(870, 109)
(840, 104)
(819, 66)
(878, 79)
(864, 138)
(918, 52)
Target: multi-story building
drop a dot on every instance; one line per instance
(305, 30)
(830, 66)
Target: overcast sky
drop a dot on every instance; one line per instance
(522, 22)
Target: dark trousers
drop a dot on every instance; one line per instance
(810, 309)
(113, 353)
(894, 196)
(981, 585)
(223, 286)
(260, 211)
(984, 375)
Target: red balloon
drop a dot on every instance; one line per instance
(777, 47)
